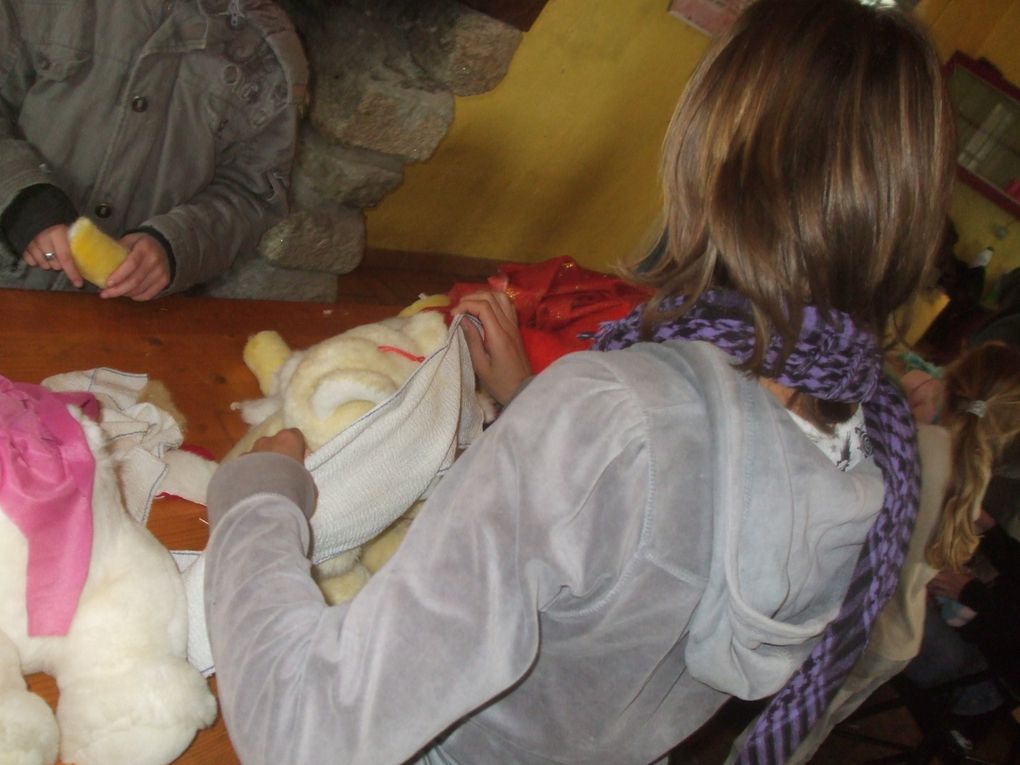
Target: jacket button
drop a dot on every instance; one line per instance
(139, 104)
(103, 210)
(250, 92)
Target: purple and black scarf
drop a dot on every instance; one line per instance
(834, 361)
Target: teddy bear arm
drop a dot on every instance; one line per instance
(268, 427)
(28, 729)
(128, 696)
(146, 714)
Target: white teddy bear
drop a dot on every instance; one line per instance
(127, 694)
(385, 408)
(322, 390)
(327, 387)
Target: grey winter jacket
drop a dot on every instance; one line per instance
(641, 534)
(174, 116)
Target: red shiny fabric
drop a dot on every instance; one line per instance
(560, 305)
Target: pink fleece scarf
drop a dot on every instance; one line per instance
(46, 476)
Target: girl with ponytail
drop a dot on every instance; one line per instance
(967, 415)
(981, 410)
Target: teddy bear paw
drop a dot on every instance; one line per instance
(144, 717)
(28, 730)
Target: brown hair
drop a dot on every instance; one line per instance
(809, 161)
(982, 411)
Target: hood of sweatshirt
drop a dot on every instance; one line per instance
(788, 527)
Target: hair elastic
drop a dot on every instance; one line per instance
(977, 407)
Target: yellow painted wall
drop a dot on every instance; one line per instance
(561, 158)
(1002, 46)
(982, 29)
(964, 25)
(979, 223)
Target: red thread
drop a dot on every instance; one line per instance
(400, 352)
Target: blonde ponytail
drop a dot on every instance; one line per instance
(982, 412)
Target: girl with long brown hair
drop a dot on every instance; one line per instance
(646, 531)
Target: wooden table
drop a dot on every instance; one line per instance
(194, 346)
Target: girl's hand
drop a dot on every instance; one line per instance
(290, 442)
(949, 584)
(984, 521)
(924, 395)
(51, 251)
(497, 353)
(144, 274)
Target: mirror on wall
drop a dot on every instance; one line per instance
(987, 110)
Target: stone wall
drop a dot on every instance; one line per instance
(384, 74)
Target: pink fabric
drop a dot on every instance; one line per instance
(46, 476)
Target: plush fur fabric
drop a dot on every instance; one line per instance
(127, 694)
(323, 389)
(385, 408)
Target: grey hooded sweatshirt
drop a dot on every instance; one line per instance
(642, 534)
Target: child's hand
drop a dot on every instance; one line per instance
(924, 395)
(984, 521)
(289, 442)
(949, 584)
(144, 274)
(498, 357)
(51, 251)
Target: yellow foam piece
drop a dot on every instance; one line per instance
(96, 254)
(423, 303)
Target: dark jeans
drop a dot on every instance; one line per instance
(944, 657)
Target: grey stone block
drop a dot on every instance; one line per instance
(367, 91)
(254, 278)
(329, 238)
(466, 50)
(325, 171)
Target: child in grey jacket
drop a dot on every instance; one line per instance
(171, 124)
(712, 506)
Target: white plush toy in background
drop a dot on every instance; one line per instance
(127, 694)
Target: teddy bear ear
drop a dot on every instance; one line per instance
(428, 330)
(423, 303)
(264, 354)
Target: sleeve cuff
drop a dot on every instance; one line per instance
(35, 209)
(259, 473)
